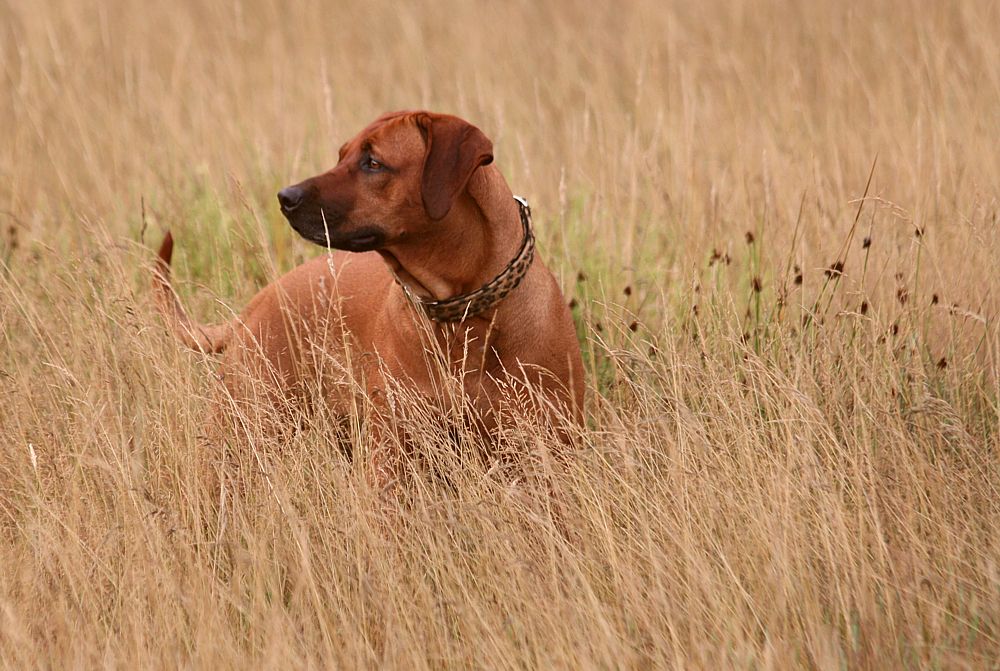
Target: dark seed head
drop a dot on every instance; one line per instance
(627, 291)
(599, 327)
(580, 277)
(633, 327)
(942, 363)
(895, 328)
(726, 259)
(934, 299)
(902, 295)
(867, 242)
(864, 307)
(750, 237)
(572, 304)
(756, 284)
(919, 232)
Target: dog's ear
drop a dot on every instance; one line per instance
(455, 148)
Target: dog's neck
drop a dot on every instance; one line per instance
(474, 242)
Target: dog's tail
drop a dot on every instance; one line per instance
(207, 338)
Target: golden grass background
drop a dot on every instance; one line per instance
(784, 466)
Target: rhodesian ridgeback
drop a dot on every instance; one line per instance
(434, 254)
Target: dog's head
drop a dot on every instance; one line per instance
(394, 180)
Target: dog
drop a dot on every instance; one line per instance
(433, 254)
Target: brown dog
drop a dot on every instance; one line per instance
(441, 260)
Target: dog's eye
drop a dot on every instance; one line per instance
(371, 165)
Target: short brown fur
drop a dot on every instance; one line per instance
(434, 211)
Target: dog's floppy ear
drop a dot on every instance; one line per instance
(455, 148)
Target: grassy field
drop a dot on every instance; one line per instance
(777, 221)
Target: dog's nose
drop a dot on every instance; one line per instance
(290, 198)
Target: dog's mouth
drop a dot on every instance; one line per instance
(363, 239)
(327, 224)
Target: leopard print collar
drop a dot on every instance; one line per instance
(463, 306)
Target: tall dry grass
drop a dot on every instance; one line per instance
(791, 457)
